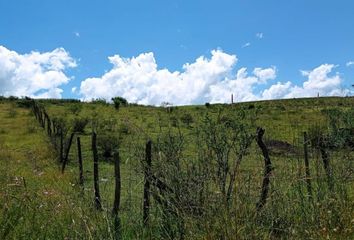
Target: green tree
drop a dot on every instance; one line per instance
(119, 101)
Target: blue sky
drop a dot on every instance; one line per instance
(286, 36)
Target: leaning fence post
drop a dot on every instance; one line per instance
(307, 168)
(147, 179)
(67, 152)
(81, 172)
(95, 172)
(267, 169)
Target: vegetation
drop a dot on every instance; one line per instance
(210, 176)
(119, 101)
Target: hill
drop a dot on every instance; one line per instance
(210, 177)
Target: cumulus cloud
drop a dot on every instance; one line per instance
(213, 79)
(35, 74)
(206, 80)
(318, 81)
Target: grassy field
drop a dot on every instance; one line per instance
(37, 201)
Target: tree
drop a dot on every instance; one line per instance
(119, 101)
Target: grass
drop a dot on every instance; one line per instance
(38, 202)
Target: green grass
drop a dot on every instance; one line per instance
(38, 202)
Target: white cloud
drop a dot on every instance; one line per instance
(34, 74)
(318, 82)
(259, 35)
(206, 80)
(350, 63)
(278, 90)
(139, 80)
(265, 74)
(246, 45)
(77, 34)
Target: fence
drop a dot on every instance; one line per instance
(175, 185)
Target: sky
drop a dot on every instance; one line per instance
(177, 51)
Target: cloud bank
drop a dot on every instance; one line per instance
(35, 74)
(213, 79)
(138, 79)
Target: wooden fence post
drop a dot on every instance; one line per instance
(116, 203)
(267, 169)
(81, 172)
(147, 180)
(326, 163)
(61, 151)
(49, 126)
(67, 152)
(307, 168)
(95, 172)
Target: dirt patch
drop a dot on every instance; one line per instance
(278, 147)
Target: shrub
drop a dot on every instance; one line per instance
(99, 101)
(79, 124)
(75, 108)
(187, 119)
(174, 121)
(251, 106)
(12, 98)
(107, 144)
(207, 105)
(24, 103)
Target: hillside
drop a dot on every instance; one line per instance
(209, 157)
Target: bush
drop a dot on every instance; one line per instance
(75, 108)
(79, 124)
(251, 106)
(99, 101)
(187, 119)
(207, 105)
(174, 121)
(12, 98)
(107, 144)
(25, 102)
